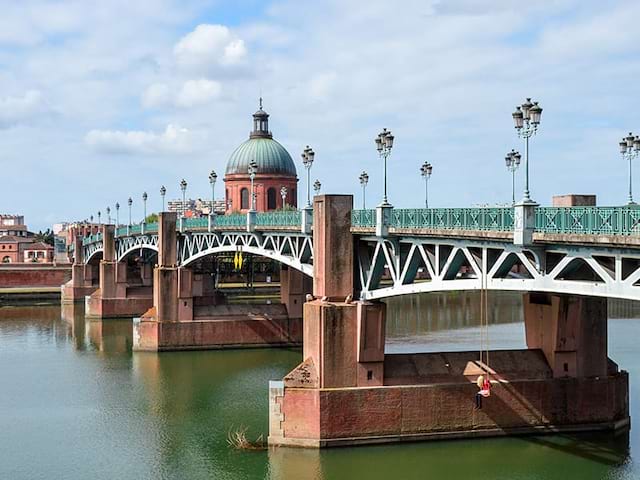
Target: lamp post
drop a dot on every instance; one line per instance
(384, 144)
(252, 170)
(364, 179)
(117, 214)
(317, 186)
(163, 192)
(425, 171)
(108, 215)
(512, 160)
(130, 202)
(307, 160)
(283, 194)
(630, 148)
(99, 221)
(526, 119)
(212, 180)
(183, 187)
(144, 208)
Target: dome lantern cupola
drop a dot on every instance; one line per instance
(260, 124)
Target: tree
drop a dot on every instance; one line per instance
(152, 218)
(44, 237)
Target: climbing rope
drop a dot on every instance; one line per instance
(484, 320)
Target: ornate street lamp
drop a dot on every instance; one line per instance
(108, 215)
(253, 169)
(212, 180)
(163, 192)
(117, 214)
(144, 208)
(526, 119)
(130, 202)
(630, 148)
(183, 187)
(425, 171)
(283, 194)
(317, 186)
(307, 160)
(99, 221)
(364, 179)
(384, 144)
(512, 160)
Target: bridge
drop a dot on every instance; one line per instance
(574, 250)
(566, 260)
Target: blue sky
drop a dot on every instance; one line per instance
(102, 101)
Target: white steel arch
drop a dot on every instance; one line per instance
(401, 266)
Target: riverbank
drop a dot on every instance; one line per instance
(30, 296)
(50, 295)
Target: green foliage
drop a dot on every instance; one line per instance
(152, 218)
(44, 237)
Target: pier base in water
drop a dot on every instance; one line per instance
(431, 397)
(224, 326)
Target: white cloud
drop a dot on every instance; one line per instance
(174, 140)
(22, 109)
(322, 84)
(156, 95)
(197, 92)
(209, 46)
(192, 93)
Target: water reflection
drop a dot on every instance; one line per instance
(76, 396)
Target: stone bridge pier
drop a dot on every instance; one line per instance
(84, 276)
(347, 391)
(118, 295)
(186, 314)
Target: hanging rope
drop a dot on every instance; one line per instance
(484, 319)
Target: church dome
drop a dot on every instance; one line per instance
(269, 155)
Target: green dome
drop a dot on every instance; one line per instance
(271, 157)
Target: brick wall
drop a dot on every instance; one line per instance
(398, 411)
(34, 276)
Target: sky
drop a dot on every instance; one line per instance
(100, 101)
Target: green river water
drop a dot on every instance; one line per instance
(76, 403)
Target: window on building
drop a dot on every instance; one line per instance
(6, 259)
(271, 199)
(244, 199)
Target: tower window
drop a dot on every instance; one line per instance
(271, 199)
(244, 199)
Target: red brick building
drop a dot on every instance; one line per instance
(17, 243)
(275, 170)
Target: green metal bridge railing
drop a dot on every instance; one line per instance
(623, 220)
(494, 219)
(232, 220)
(283, 218)
(589, 220)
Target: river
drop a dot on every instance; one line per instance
(76, 403)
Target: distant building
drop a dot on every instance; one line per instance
(13, 225)
(195, 208)
(10, 248)
(37, 252)
(14, 237)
